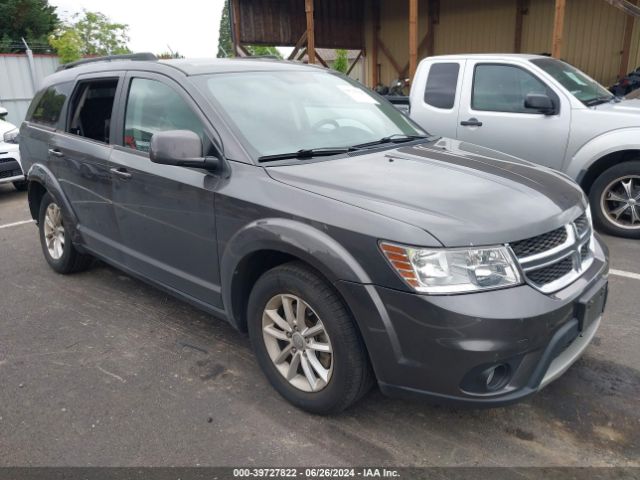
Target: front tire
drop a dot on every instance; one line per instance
(57, 247)
(615, 200)
(305, 340)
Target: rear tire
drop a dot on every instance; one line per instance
(57, 247)
(329, 347)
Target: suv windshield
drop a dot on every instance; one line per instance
(289, 111)
(581, 86)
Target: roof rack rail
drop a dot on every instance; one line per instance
(146, 56)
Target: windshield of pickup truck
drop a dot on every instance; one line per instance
(581, 86)
(277, 112)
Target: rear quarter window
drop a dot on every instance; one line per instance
(46, 107)
(442, 83)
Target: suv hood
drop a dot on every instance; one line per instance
(460, 193)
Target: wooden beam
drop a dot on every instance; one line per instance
(626, 45)
(423, 44)
(558, 28)
(301, 43)
(311, 34)
(235, 14)
(373, 61)
(413, 38)
(355, 62)
(303, 52)
(321, 60)
(521, 10)
(385, 50)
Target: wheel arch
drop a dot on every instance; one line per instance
(267, 243)
(42, 181)
(603, 152)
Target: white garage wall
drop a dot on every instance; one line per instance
(16, 84)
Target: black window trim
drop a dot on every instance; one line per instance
(552, 94)
(209, 130)
(53, 127)
(460, 65)
(86, 78)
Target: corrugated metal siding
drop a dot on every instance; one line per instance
(594, 33)
(475, 27)
(16, 88)
(394, 32)
(537, 26)
(593, 37)
(634, 57)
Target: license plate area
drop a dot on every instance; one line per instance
(590, 306)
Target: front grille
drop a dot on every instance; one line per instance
(539, 244)
(553, 260)
(582, 224)
(551, 273)
(10, 173)
(584, 251)
(7, 160)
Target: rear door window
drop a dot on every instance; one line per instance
(442, 83)
(47, 106)
(92, 108)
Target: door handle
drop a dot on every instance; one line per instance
(472, 122)
(121, 173)
(55, 152)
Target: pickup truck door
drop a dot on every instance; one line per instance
(492, 113)
(435, 96)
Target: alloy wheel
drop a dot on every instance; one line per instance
(54, 231)
(620, 202)
(297, 342)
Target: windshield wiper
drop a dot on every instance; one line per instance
(395, 138)
(305, 153)
(598, 100)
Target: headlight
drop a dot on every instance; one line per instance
(11, 136)
(459, 270)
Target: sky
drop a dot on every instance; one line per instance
(189, 27)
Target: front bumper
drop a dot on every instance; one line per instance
(10, 166)
(437, 346)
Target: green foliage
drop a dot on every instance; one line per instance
(261, 50)
(90, 34)
(169, 55)
(67, 45)
(341, 63)
(225, 43)
(32, 19)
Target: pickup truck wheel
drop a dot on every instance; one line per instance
(58, 249)
(305, 340)
(615, 200)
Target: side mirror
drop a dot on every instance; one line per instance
(181, 148)
(540, 102)
(3, 113)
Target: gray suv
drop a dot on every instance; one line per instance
(352, 246)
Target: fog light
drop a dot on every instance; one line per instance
(496, 377)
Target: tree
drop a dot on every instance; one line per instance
(225, 44)
(32, 19)
(261, 50)
(88, 34)
(169, 55)
(341, 63)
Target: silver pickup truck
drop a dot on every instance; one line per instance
(545, 111)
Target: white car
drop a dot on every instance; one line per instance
(10, 166)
